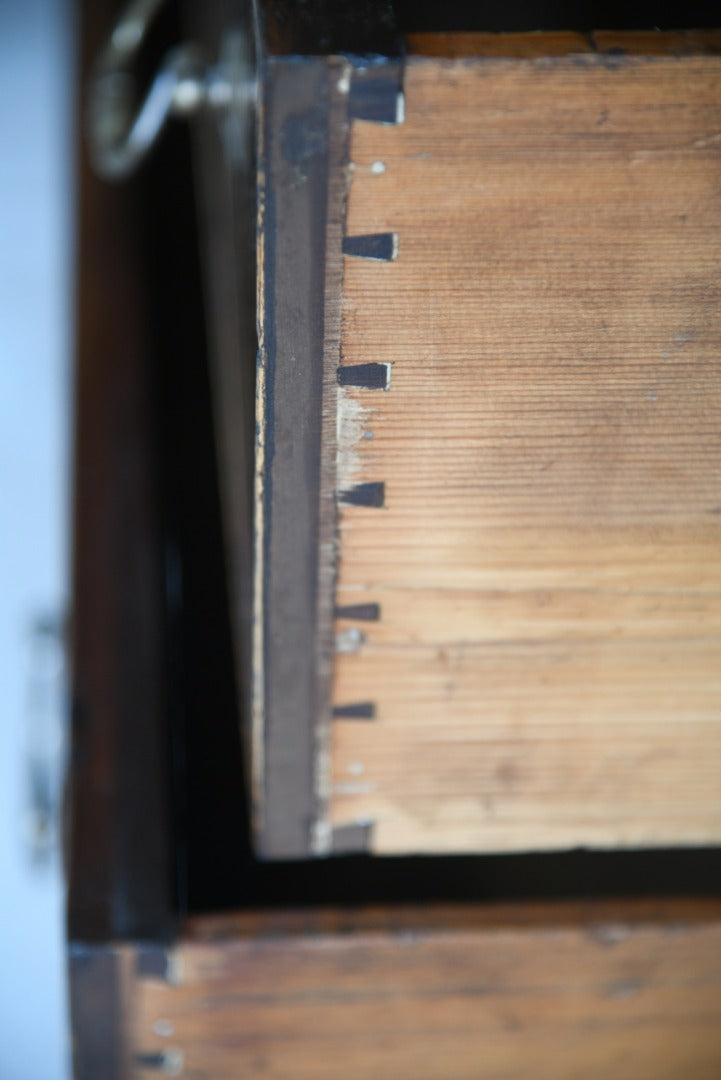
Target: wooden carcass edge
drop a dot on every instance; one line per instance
(305, 111)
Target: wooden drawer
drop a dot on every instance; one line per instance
(459, 992)
(403, 966)
(487, 591)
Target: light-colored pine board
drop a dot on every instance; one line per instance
(546, 670)
(570, 994)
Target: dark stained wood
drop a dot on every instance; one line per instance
(224, 168)
(119, 862)
(326, 27)
(98, 1041)
(526, 16)
(294, 523)
(100, 1046)
(489, 917)
(565, 42)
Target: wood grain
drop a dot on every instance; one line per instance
(632, 992)
(546, 669)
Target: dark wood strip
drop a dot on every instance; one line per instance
(100, 1047)
(120, 859)
(326, 27)
(302, 286)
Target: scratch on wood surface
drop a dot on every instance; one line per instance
(353, 789)
(350, 640)
(353, 421)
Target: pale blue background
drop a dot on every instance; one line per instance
(36, 230)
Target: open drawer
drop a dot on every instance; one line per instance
(486, 596)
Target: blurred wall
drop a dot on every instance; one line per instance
(36, 228)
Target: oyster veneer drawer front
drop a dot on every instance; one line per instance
(487, 586)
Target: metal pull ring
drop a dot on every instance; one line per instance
(120, 134)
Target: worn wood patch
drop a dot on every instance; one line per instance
(546, 672)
